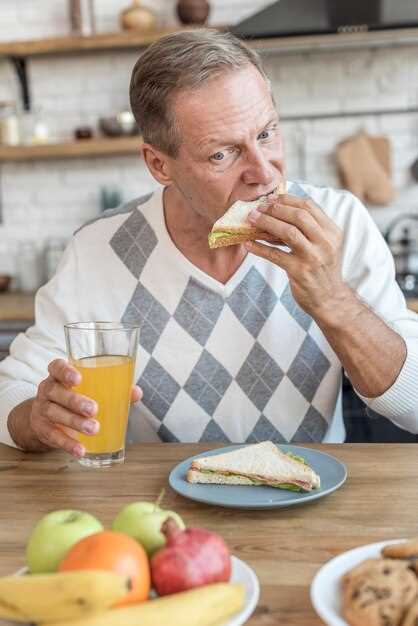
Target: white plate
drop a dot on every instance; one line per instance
(241, 573)
(325, 587)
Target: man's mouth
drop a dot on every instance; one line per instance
(267, 195)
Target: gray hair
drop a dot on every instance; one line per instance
(179, 61)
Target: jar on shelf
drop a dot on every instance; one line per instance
(9, 124)
(82, 18)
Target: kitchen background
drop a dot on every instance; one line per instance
(43, 201)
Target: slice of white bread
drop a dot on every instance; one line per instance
(194, 476)
(235, 220)
(235, 225)
(259, 462)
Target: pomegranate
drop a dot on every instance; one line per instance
(190, 558)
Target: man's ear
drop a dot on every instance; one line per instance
(157, 162)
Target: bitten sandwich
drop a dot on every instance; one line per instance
(258, 464)
(233, 227)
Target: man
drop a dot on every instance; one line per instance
(241, 343)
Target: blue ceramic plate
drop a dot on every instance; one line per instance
(332, 472)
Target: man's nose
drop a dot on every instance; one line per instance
(258, 168)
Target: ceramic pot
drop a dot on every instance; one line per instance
(138, 18)
(193, 11)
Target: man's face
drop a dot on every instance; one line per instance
(231, 143)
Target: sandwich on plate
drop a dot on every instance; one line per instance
(233, 227)
(258, 464)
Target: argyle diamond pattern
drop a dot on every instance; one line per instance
(146, 311)
(221, 396)
(253, 301)
(308, 368)
(134, 242)
(263, 431)
(208, 382)
(259, 376)
(312, 428)
(198, 311)
(291, 306)
(160, 389)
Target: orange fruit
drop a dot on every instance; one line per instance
(111, 550)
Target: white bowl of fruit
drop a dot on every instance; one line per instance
(148, 569)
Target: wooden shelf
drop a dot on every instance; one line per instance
(74, 149)
(132, 40)
(94, 43)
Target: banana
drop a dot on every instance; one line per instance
(202, 606)
(62, 596)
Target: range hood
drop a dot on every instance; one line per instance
(315, 17)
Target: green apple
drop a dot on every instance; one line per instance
(54, 535)
(143, 521)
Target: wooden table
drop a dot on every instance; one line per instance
(286, 547)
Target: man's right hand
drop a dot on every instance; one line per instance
(57, 408)
(51, 418)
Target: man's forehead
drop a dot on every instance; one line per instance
(237, 103)
(222, 134)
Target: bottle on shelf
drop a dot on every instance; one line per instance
(82, 18)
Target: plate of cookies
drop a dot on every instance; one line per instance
(372, 585)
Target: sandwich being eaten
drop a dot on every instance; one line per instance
(233, 227)
(258, 464)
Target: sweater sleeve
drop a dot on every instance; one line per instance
(30, 353)
(369, 269)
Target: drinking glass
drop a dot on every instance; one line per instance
(104, 353)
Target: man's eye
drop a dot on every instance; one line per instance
(218, 156)
(265, 134)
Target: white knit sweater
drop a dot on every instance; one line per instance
(235, 362)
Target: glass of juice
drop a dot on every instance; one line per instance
(104, 353)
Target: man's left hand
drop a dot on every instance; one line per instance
(313, 264)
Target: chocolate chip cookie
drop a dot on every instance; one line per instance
(378, 592)
(406, 550)
(411, 618)
(374, 567)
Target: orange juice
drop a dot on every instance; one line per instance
(107, 380)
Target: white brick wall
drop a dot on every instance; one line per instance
(44, 199)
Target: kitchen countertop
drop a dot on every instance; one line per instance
(413, 304)
(285, 547)
(20, 306)
(17, 306)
